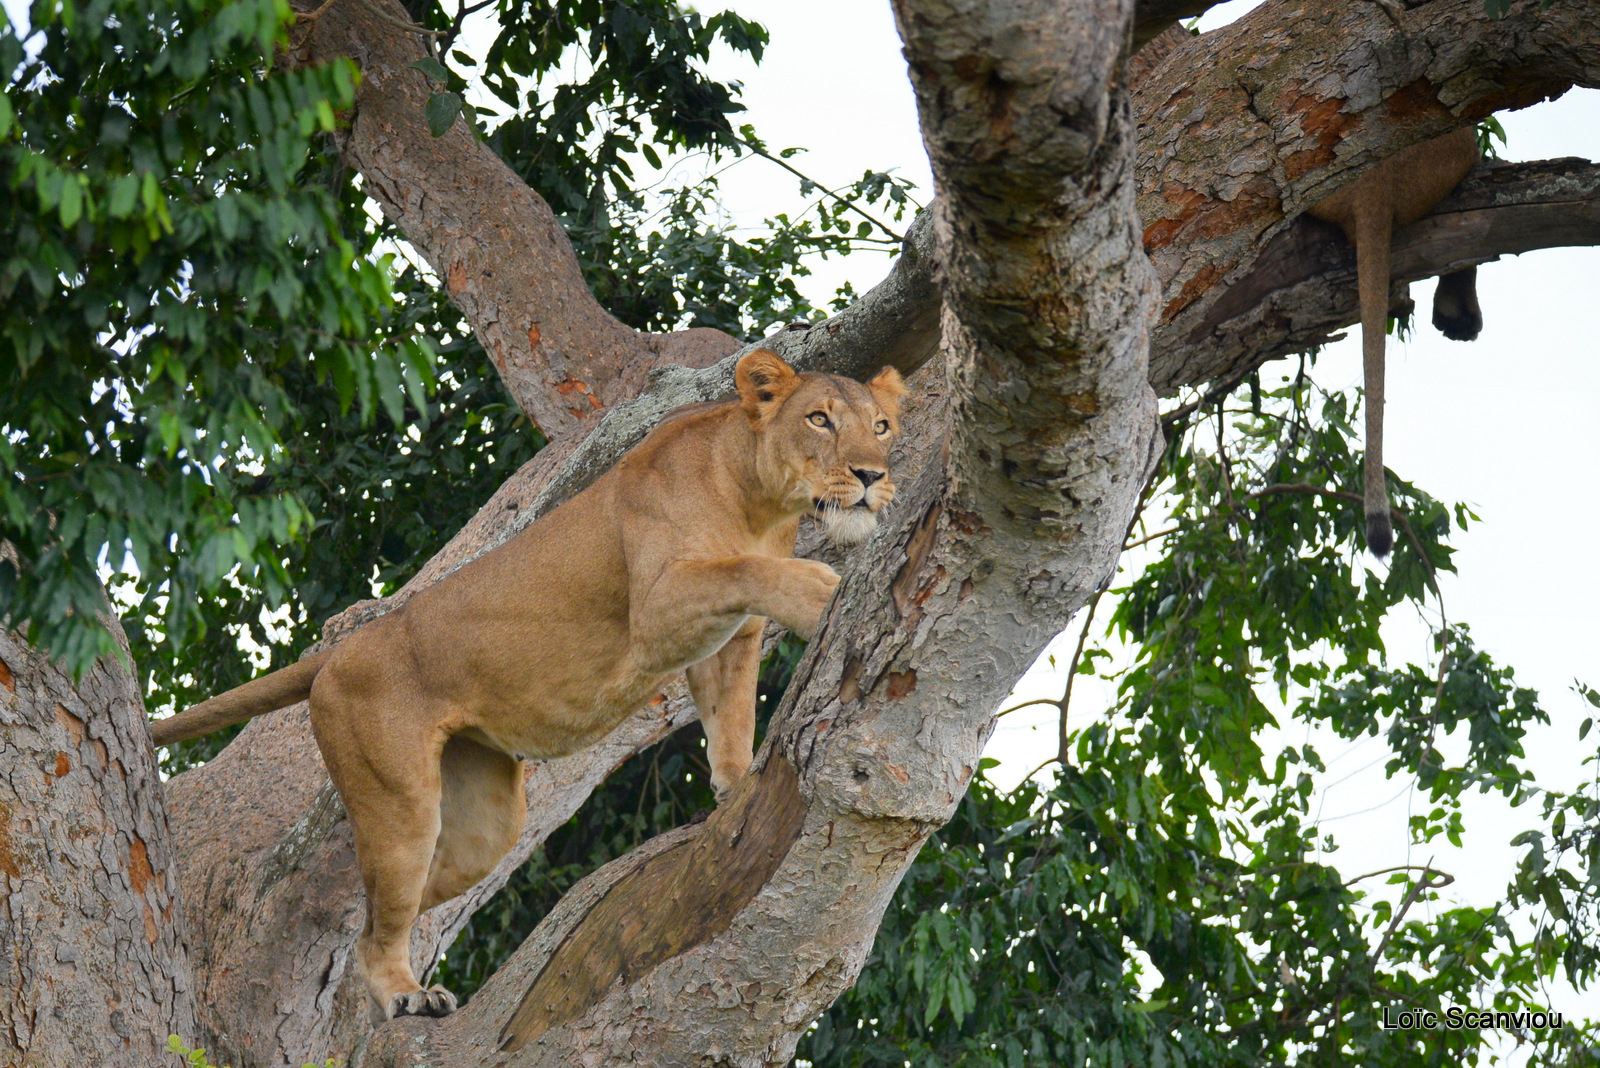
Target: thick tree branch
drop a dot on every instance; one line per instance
(94, 961)
(1154, 17)
(1243, 128)
(494, 243)
(1301, 289)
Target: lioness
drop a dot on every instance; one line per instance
(673, 559)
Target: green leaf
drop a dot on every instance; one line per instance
(6, 115)
(124, 196)
(151, 194)
(441, 110)
(435, 71)
(71, 201)
(171, 432)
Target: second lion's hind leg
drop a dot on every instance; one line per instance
(482, 809)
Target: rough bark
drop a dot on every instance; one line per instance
(266, 857)
(1242, 129)
(714, 931)
(93, 968)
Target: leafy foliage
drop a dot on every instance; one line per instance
(575, 138)
(682, 266)
(1168, 900)
(166, 270)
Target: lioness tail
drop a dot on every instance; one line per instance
(283, 687)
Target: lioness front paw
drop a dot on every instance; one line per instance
(816, 584)
(434, 1001)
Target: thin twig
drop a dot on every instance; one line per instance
(1150, 537)
(312, 16)
(1228, 385)
(1072, 674)
(846, 201)
(1027, 704)
(1402, 867)
(1425, 883)
(1303, 487)
(1227, 484)
(462, 11)
(1062, 754)
(432, 35)
(1040, 768)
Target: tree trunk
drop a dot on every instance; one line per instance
(94, 968)
(1039, 455)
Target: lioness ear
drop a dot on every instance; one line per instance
(764, 380)
(887, 388)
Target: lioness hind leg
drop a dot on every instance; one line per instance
(482, 809)
(388, 776)
(395, 835)
(724, 689)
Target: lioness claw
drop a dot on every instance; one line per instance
(434, 1001)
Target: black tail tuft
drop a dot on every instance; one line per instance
(1380, 534)
(1456, 314)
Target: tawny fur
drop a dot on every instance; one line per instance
(672, 561)
(1398, 191)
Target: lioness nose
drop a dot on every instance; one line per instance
(867, 477)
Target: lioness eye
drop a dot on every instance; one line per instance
(882, 427)
(818, 419)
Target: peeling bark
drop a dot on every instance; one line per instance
(93, 968)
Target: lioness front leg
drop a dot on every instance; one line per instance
(724, 690)
(695, 605)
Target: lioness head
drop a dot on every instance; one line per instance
(823, 441)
